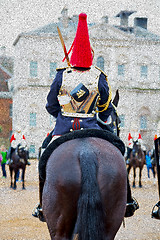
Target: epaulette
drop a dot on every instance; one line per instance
(59, 69)
(101, 71)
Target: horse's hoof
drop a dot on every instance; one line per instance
(134, 186)
(140, 186)
(23, 188)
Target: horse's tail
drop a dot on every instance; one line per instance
(90, 215)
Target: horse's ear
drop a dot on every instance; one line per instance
(116, 98)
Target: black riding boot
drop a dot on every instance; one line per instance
(132, 204)
(37, 212)
(129, 150)
(156, 213)
(46, 143)
(9, 154)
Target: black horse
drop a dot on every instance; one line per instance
(137, 160)
(85, 190)
(19, 161)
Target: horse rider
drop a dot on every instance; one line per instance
(156, 208)
(80, 95)
(129, 147)
(16, 139)
(140, 141)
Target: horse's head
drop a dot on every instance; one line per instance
(22, 152)
(115, 124)
(136, 148)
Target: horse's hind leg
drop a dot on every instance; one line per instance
(15, 177)
(23, 175)
(128, 170)
(153, 171)
(11, 174)
(134, 177)
(140, 175)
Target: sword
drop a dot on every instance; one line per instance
(64, 47)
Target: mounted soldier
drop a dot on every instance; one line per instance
(80, 97)
(156, 208)
(18, 138)
(129, 147)
(140, 141)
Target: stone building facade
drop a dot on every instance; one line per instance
(129, 55)
(5, 107)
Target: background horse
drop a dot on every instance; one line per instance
(19, 158)
(137, 160)
(85, 190)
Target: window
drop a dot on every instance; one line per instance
(53, 66)
(10, 133)
(32, 120)
(122, 118)
(10, 110)
(121, 70)
(100, 63)
(32, 149)
(143, 122)
(33, 69)
(144, 71)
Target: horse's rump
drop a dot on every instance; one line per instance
(102, 134)
(65, 171)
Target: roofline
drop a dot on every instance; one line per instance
(6, 71)
(31, 34)
(5, 95)
(17, 39)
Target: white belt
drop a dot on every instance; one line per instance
(79, 115)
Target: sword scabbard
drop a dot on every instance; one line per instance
(64, 47)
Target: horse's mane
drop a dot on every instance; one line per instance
(104, 134)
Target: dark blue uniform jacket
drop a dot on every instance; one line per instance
(67, 124)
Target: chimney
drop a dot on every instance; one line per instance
(124, 15)
(104, 19)
(140, 22)
(75, 19)
(3, 51)
(64, 17)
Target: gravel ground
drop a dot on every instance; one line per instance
(17, 223)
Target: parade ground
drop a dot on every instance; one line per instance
(17, 223)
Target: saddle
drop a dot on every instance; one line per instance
(104, 134)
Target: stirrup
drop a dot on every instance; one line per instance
(37, 212)
(127, 161)
(9, 162)
(131, 208)
(156, 213)
(28, 163)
